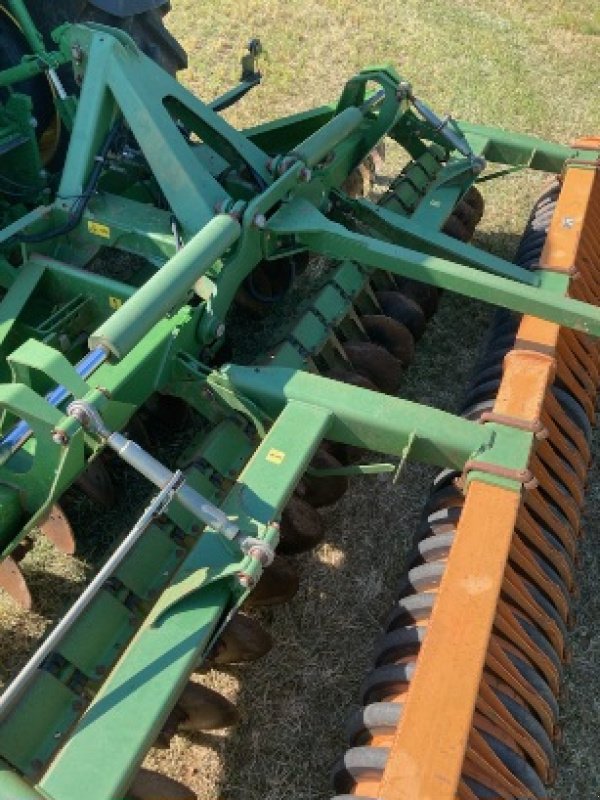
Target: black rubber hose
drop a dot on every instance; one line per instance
(80, 204)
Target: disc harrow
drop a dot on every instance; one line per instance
(463, 697)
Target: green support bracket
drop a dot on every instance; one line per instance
(54, 464)
(313, 230)
(34, 356)
(360, 417)
(422, 237)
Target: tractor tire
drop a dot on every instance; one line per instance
(146, 28)
(13, 48)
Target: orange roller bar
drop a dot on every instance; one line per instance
(427, 754)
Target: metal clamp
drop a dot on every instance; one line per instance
(531, 426)
(258, 549)
(522, 476)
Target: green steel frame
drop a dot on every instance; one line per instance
(232, 200)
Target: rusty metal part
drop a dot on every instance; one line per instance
(13, 582)
(426, 296)
(360, 181)
(322, 490)
(205, 709)
(376, 364)
(523, 476)
(456, 228)
(97, 484)
(243, 640)
(57, 528)
(475, 199)
(301, 527)
(351, 378)
(278, 584)
(403, 310)
(587, 143)
(150, 785)
(391, 334)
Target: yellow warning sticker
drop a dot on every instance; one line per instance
(275, 456)
(115, 302)
(98, 229)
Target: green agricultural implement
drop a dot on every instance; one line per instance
(104, 159)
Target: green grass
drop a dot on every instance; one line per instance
(521, 65)
(508, 63)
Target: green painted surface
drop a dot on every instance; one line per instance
(206, 203)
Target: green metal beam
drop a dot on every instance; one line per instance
(169, 287)
(313, 230)
(423, 237)
(361, 417)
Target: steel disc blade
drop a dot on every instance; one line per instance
(376, 364)
(243, 640)
(322, 491)
(13, 582)
(301, 527)
(391, 334)
(97, 484)
(57, 528)
(205, 710)
(150, 785)
(278, 584)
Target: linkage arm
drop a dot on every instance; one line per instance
(313, 230)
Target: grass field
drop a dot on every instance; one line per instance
(518, 64)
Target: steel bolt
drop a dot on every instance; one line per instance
(60, 437)
(478, 164)
(567, 222)
(247, 581)
(305, 175)
(259, 221)
(220, 332)
(404, 90)
(77, 54)
(260, 555)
